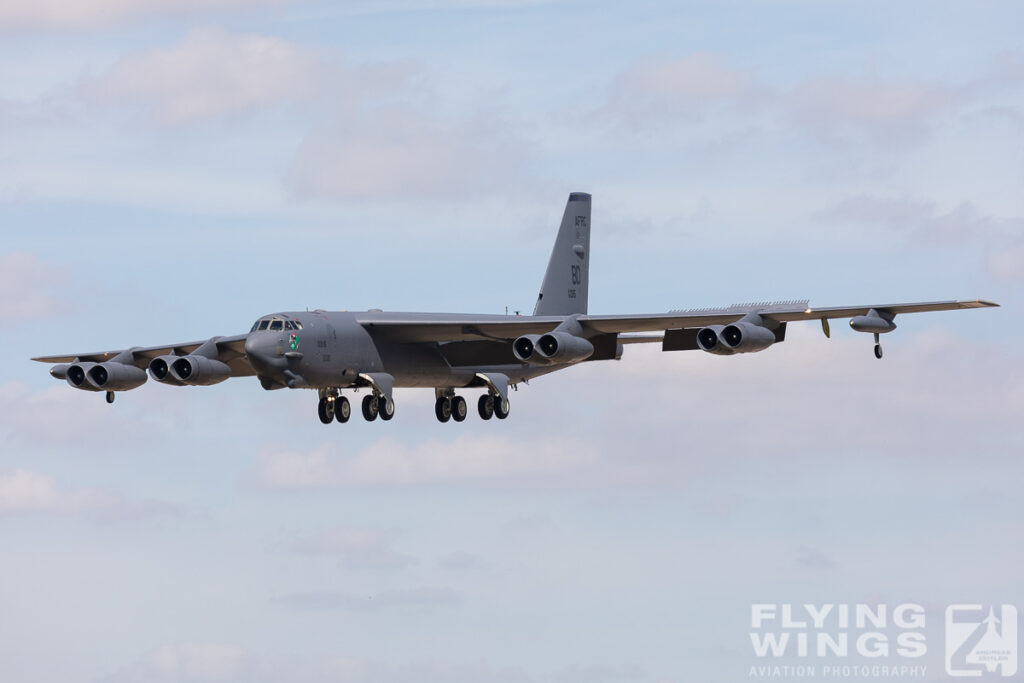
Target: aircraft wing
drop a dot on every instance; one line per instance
(231, 350)
(406, 328)
(784, 312)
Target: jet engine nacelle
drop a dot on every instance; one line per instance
(77, 376)
(113, 376)
(199, 370)
(562, 347)
(523, 348)
(709, 339)
(745, 337)
(160, 370)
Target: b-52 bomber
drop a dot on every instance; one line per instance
(378, 351)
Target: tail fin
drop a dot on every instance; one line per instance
(564, 291)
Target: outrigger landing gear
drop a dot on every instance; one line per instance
(878, 348)
(110, 397)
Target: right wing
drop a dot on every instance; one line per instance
(230, 350)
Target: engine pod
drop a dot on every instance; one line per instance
(113, 376)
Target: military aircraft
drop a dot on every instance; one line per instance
(379, 351)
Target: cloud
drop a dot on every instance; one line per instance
(188, 661)
(1008, 264)
(922, 219)
(459, 561)
(682, 89)
(422, 598)
(356, 548)
(398, 151)
(880, 110)
(210, 74)
(832, 109)
(29, 493)
(26, 15)
(214, 662)
(389, 462)
(30, 287)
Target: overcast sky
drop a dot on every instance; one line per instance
(172, 170)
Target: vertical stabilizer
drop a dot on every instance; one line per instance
(564, 291)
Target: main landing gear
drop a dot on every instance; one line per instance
(333, 406)
(449, 406)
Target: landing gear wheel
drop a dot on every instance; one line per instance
(386, 408)
(459, 409)
(110, 397)
(370, 407)
(342, 409)
(325, 409)
(878, 351)
(501, 407)
(485, 406)
(443, 409)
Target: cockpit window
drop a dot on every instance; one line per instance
(254, 326)
(298, 325)
(264, 324)
(276, 325)
(288, 325)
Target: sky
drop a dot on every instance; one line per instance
(171, 171)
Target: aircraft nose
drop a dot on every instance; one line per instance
(260, 349)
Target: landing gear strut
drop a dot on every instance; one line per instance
(878, 348)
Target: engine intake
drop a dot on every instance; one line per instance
(160, 370)
(76, 376)
(562, 347)
(709, 339)
(198, 370)
(523, 348)
(113, 376)
(743, 337)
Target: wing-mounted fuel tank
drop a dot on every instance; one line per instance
(564, 344)
(874, 322)
(749, 334)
